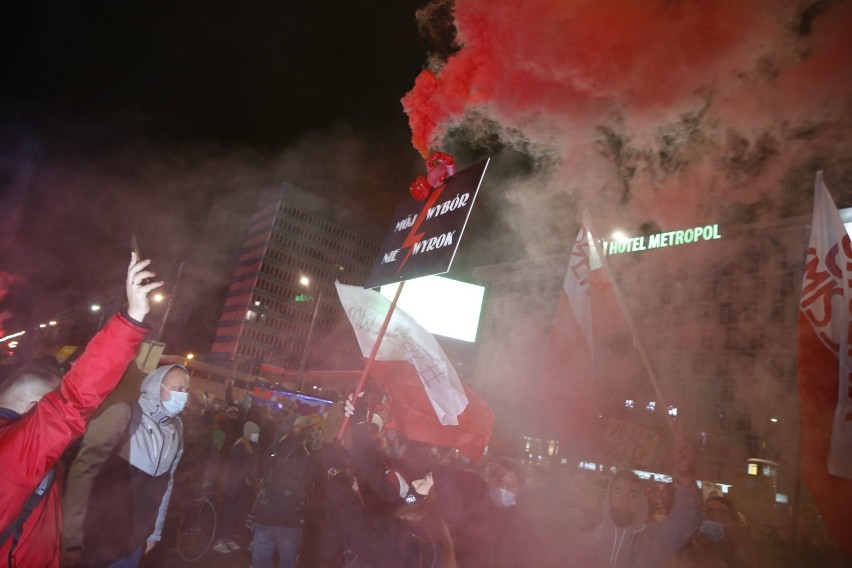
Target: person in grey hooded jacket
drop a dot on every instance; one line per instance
(625, 538)
(120, 483)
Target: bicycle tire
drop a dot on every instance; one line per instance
(196, 530)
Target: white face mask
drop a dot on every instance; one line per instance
(503, 498)
(713, 530)
(177, 400)
(254, 437)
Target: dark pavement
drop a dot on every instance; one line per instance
(168, 557)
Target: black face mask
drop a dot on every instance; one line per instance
(621, 518)
(413, 497)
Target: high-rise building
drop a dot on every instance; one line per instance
(282, 307)
(717, 319)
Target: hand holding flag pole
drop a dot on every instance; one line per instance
(363, 379)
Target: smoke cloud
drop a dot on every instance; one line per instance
(675, 112)
(73, 221)
(654, 116)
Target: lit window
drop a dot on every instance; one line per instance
(628, 403)
(652, 406)
(672, 411)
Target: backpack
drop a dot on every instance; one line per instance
(281, 500)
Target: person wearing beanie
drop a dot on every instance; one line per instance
(237, 488)
(128, 456)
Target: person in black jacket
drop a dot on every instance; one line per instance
(280, 506)
(414, 535)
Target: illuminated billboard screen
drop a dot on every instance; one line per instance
(443, 306)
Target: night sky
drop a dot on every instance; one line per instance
(137, 116)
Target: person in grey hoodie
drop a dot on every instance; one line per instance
(120, 483)
(625, 537)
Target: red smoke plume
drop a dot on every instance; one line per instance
(556, 56)
(669, 94)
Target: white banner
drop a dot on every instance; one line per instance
(584, 259)
(405, 340)
(825, 302)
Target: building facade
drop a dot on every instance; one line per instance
(718, 321)
(282, 309)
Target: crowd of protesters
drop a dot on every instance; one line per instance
(291, 494)
(378, 500)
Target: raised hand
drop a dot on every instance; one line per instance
(137, 290)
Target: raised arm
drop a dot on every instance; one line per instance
(40, 437)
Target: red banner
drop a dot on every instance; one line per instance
(415, 418)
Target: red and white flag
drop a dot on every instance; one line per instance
(585, 258)
(567, 373)
(415, 419)
(405, 340)
(824, 366)
(592, 335)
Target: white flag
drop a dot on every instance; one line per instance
(825, 303)
(405, 340)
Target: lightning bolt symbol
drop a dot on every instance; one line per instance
(413, 236)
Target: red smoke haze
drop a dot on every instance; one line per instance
(646, 102)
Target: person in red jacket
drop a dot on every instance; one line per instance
(42, 413)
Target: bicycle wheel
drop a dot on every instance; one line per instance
(196, 530)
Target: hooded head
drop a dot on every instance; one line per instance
(624, 512)
(625, 503)
(718, 518)
(505, 478)
(164, 391)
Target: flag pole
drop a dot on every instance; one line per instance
(637, 339)
(363, 378)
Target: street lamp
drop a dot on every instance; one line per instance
(97, 308)
(305, 281)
